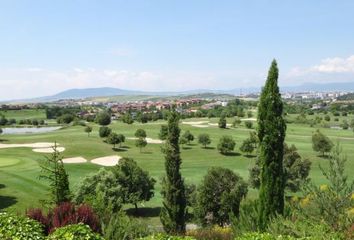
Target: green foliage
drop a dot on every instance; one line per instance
(183, 141)
(121, 227)
(140, 143)
(271, 134)
(219, 196)
(173, 212)
(204, 139)
(247, 220)
(236, 122)
(247, 146)
(104, 131)
(54, 172)
(103, 118)
(321, 143)
(264, 236)
(88, 130)
(161, 236)
(222, 122)
(113, 139)
(248, 124)
(140, 133)
(74, 232)
(127, 118)
(121, 138)
(14, 227)
(135, 184)
(188, 136)
(66, 118)
(301, 227)
(296, 170)
(163, 132)
(226, 145)
(100, 190)
(211, 233)
(332, 202)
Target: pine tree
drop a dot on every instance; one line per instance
(173, 212)
(271, 133)
(53, 170)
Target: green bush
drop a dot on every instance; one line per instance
(303, 228)
(166, 237)
(264, 236)
(74, 232)
(13, 227)
(120, 226)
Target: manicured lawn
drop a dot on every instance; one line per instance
(19, 167)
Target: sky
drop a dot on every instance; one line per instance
(171, 45)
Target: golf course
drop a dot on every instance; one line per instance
(21, 187)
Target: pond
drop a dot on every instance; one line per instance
(28, 130)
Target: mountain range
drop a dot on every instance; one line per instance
(109, 91)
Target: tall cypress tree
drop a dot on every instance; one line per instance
(173, 212)
(271, 133)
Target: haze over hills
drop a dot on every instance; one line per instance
(109, 91)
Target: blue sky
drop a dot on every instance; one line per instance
(49, 46)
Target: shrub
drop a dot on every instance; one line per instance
(212, 233)
(103, 118)
(19, 228)
(100, 190)
(120, 226)
(74, 232)
(66, 118)
(104, 131)
(263, 236)
(204, 139)
(248, 124)
(66, 214)
(219, 196)
(302, 227)
(167, 237)
(226, 144)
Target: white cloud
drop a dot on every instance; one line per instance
(335, 65)
(334, 69)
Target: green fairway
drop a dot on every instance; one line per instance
(24, 114)
(19, 167)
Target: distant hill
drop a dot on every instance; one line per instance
(110, 92)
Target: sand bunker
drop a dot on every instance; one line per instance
(74, 160)
(195, 123)
(48, 150)
(107, 161)
(249, 119)
(149, 140)
(200, 126)
(30, 145)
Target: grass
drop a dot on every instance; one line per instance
(24, 114)
(19, 167)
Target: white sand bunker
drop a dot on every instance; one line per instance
(149, 140)
(200, 126)
(30, 145)
(74, 160)
(216, 124)
(48, 150)
(196, 123)
(107, 161)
